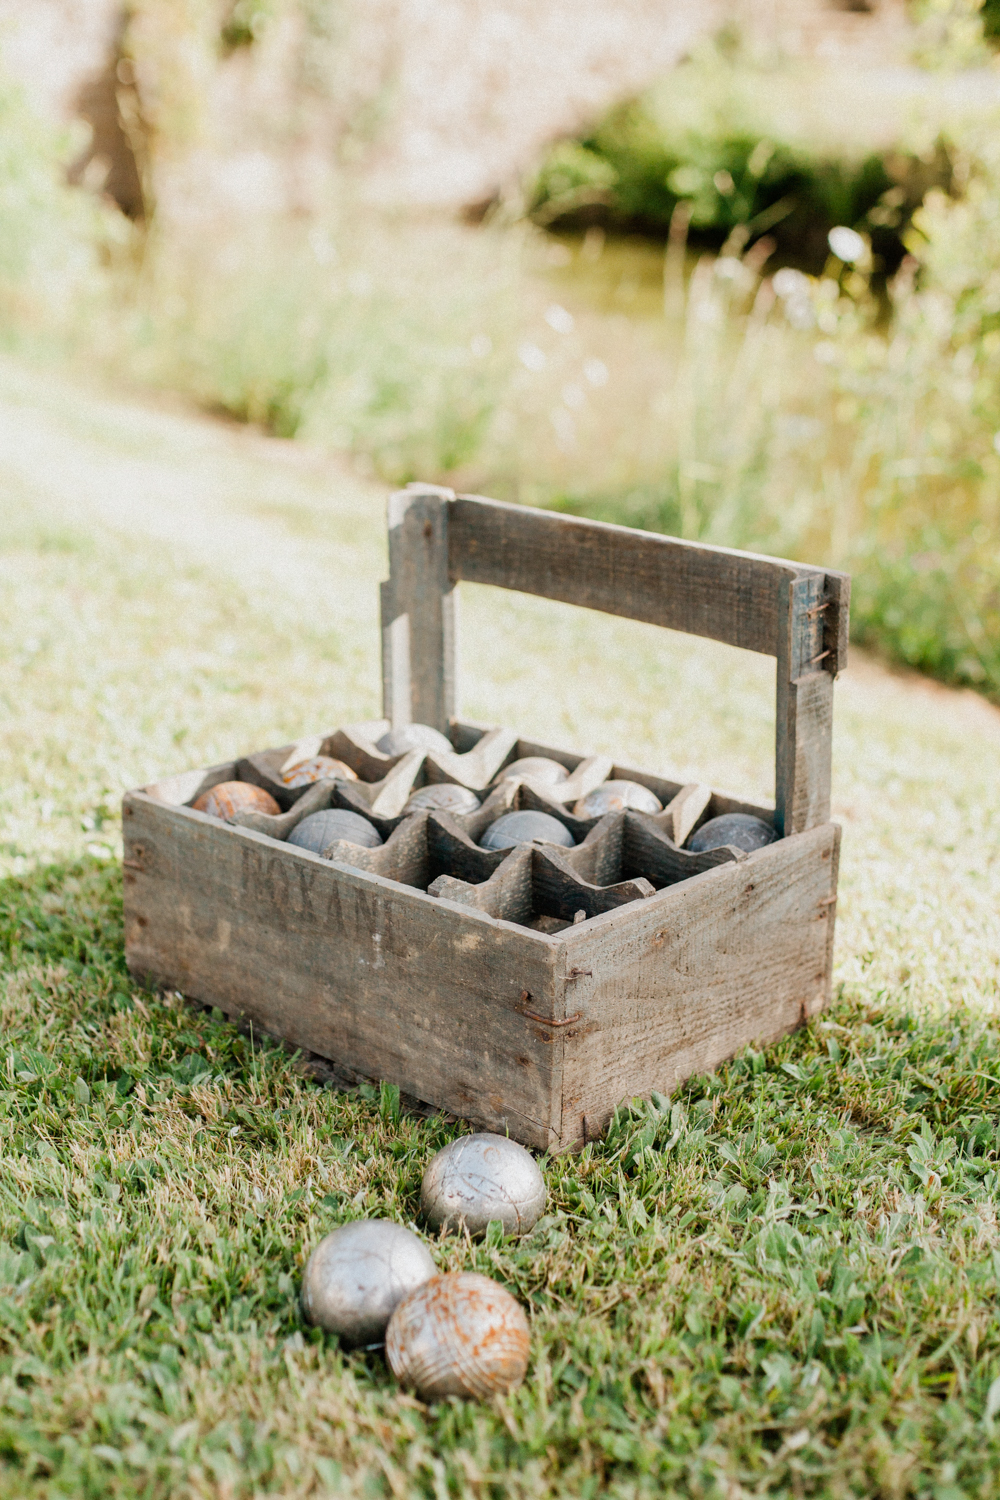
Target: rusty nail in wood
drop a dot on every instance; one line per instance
(568, 1021)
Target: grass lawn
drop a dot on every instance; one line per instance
(782, 1280)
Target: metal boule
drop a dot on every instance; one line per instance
(321, 830)
(480, 1178)
(412, 737)
(358, 1274)
(515, 828)
(536, 768)
(443, 797)
(317, 768)
(741, 830)
(459, 1335)
(615, 796)
(230, 797)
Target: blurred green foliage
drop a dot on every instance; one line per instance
(629, 176)
(245, 22)
(953, 34)
(754, 409)
(363, 343)
(710, 139)
(788, 1267)
(929, 418)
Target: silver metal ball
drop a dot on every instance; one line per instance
(322, 829)
(537, 767)
(479, 1178)
(742, 830)
(443, 797)
(412, 737)
(459, 1335)
(356, 1276)
(515, 828)
(614, 796)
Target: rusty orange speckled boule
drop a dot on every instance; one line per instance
(458, 1335)
(231, 797)
(317, 768)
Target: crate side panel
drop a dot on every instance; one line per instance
(363, 971)
(675, 985)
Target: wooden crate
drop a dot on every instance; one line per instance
(536, 1032)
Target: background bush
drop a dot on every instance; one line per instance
(712, 137)
(806, 415)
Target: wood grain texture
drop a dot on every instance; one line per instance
(710, 591)
(507, 892)
(478, 767)
(630, 845)
(675, 985)
(682, 815)
(535, 881)
(837, 621)
(561, 892)
(804, 709)
(404, 857)
(646, 850)
(391, 983)
(418, 611)
(456, 853)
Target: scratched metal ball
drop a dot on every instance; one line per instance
(458, 1335)
(358, 1274)
(231, 797)
(742, 830)
(322, 829)
(412, 737)
(317, 768)
(515, 828)
(538, 767)
(444, 797)
(479, 1178)
(614, 796)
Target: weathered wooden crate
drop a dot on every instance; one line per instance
(536, 1032)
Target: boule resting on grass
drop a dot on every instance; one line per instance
(479, 1179)
(356, 1276)
(458, 1335)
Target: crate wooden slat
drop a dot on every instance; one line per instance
(787, 610)
(538, 1033)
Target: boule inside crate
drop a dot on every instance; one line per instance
(532, 989)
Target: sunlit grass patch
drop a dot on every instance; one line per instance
(784, 1274)
(789, 1270)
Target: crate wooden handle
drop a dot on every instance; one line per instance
(791, 611)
